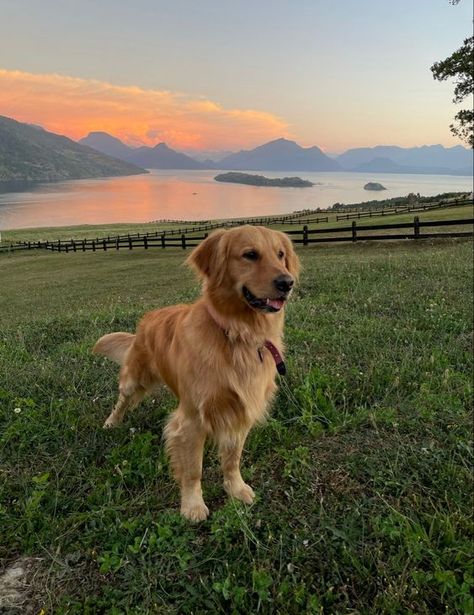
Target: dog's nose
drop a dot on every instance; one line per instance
(283, 283)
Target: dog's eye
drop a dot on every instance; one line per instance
(281, 254)
(251, 255)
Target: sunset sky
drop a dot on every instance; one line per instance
(218, 75)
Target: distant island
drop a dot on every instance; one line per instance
(374, 186)
(260, 180)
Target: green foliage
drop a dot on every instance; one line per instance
(460, 66)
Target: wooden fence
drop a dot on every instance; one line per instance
(303, 236)
(152, 237)
(416, 207)
(410, 230)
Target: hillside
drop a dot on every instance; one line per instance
(29, 153)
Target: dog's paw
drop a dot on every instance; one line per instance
(194, 511)
(240, 491)
(110, 423)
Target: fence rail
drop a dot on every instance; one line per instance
(418, 207)
(303, 236)
(307, 235)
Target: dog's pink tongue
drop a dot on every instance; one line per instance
(276, 304)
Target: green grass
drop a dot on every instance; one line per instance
(363, 472)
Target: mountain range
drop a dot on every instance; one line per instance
(286, 155)
(29, 152)
(431, 159)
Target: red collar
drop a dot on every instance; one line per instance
(276, 354)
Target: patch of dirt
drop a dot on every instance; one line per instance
(15, 590)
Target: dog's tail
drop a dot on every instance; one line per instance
(114, 346)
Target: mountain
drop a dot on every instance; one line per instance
(163, 157)
(107, 144)
(30, 153)
(434, 159)
(280, 155)
(285, 155)
(158, 157)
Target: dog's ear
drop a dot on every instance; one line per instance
(205, 258)
(292, 261)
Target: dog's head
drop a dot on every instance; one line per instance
(253, 264)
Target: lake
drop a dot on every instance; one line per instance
(194, 195)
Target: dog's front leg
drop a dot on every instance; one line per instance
(230, 452)
(185, 445)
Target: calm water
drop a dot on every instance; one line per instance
(194, 195)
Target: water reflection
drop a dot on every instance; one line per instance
(194, 195)
(16, 185)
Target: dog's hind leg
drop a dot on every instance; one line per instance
(130, 395)
(185, 445)
(124, 403)
(230, 452)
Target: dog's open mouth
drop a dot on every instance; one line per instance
(267, 304)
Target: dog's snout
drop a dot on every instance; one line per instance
(283, 283)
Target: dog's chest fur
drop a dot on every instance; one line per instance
(229, 374)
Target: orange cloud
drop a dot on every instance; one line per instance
(74, 107)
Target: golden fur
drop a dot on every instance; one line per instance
(211, 355)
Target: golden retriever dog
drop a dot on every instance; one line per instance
(219, 355)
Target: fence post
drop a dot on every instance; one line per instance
(305, 235)
(354, 231)
(163, 240)
(93, 245)
(129, 243)
(183, 241)
(104, 245)
(145, 242)
(117, 244)
(416, 227)
(74, 246)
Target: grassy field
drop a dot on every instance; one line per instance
(363, 472)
